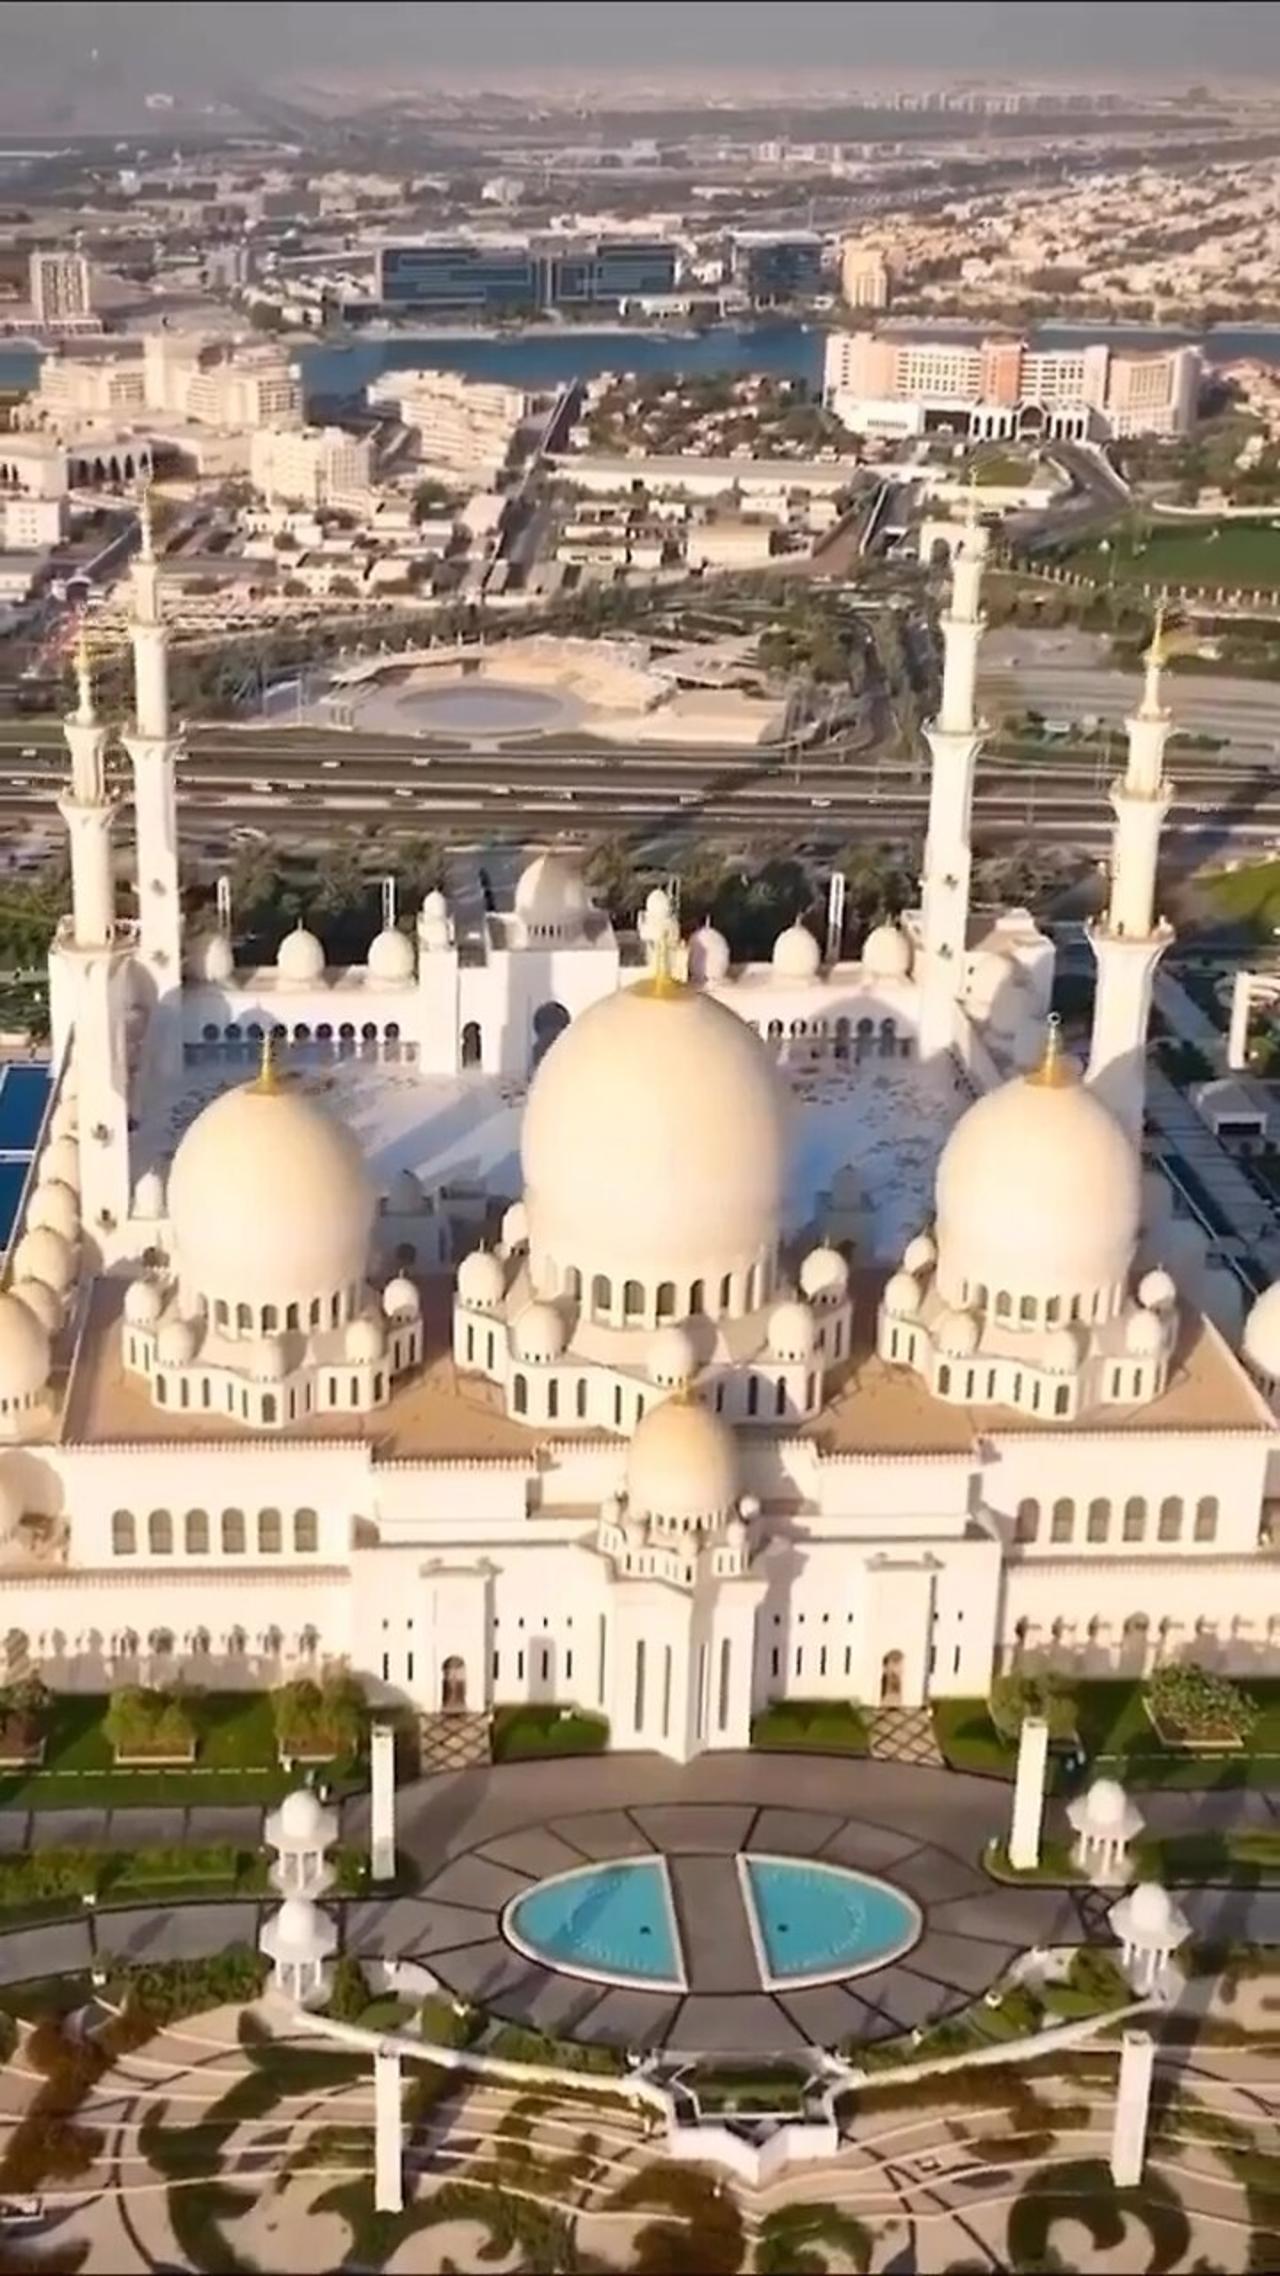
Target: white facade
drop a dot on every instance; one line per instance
(310, 466)
(464, 426)
(1001, 388)
(60, 287)
(649, 1446)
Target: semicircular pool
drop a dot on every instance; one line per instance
(614, 1924)
(813, 1923)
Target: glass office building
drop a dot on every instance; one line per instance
(510, 275)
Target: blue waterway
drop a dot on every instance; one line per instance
(816, 1919)
(611, 1919)
(23, 1091)
(548, 359)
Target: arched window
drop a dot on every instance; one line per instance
(666, 1299)
(697, 1296)
(196, 1533)
(233, 1534)
(1099, 1523)
(520, 1395)
(244, 1319)
(780, 1396)
(1061, 1522)
(572, 1282)
(124, 1534)
(944, 1380)
(306, 1532)
(753, 1394)
(1004, 1304)
(1206, 1525)
(269, 1533)
(601, 1293)
(553, 1400)
(1135, 1518)
(1027, 1523)
(160, 1533)
(1170, 1526)
(581, 1401)
(725, 1288)
(633, 1300)
(221, 1316)
(270, 1319)
(268, 1406)
(1027, 1308)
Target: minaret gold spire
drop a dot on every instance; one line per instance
(660, 980)
(1054, 1072)
(268, 1076)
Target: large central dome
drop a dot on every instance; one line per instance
(271, 1205)
(654, 1150)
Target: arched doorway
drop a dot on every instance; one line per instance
(471, 1043)
(549, 1021)
(453, 1685)
(891, 1680)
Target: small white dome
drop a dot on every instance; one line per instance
(24, 1352)
(55, 1207)
(515, 1226)
(299, 1929)
(1105, 1805)
(824, 1273)
(400, 1299)
(364, 1341)
(404, 1194)
(1062, 1351)
(301, 958)
(796, 954)
(60, 1162)
(886, 953)
(1260, 1341)
(902, 1296)
(212, 960)
(1144, 1334)
(390, 957)
(176, 1343)
(148, 1197)
(550, 895)
(1156, 1289)
(46, 1256)
(482, 1282)
(41, 1302)
(143, 1303)
(682, 1465)
(920, 1255)
(303, 1817)
(672, 1359)
(791, 1331)
(1150, 1909)
(266, 1361)
(434, 908)
(708, 955)
(957, 1335)
(539, 1334)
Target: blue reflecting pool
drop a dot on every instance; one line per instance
(613, 1922)
(814, 1922)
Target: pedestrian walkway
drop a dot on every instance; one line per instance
(904, 1734)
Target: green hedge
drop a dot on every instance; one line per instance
(811, 1726)
(524, 1734)
(515, 2043)
(447, 2024)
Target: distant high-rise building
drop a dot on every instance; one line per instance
(518, 273)
(890, 383)
(60, 287)
(864, 275)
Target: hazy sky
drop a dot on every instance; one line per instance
(202, 46)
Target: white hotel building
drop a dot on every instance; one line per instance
(883, 383)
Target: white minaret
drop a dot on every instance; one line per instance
(89, 979)
(153, 749)
(1130, 940)
(954, 738)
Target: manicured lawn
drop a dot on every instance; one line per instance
(1118, 1739)
(1243, 554)
(811, 1726)
(526, 1734)
(236, 1762)
(1248, 896)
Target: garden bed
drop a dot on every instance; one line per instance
(22, 1758)
(527, 1734)
(153, 1758)
(810, 1726)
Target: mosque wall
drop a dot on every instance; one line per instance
(1123, 1616)
(1140, 1491)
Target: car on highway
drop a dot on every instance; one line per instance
(819, 801)
(30, 751)
(331, 766)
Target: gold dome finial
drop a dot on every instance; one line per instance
(268, 1076)
(1158, 651)
(660, 980)
(1055, 1071)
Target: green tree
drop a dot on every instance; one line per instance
(613, 878)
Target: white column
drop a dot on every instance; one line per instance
(1238, 1033)
(1133, 2102)
(388, 2159)
(382, 1809)
(954, 740)
(1028, 1794)
(1130, 941)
